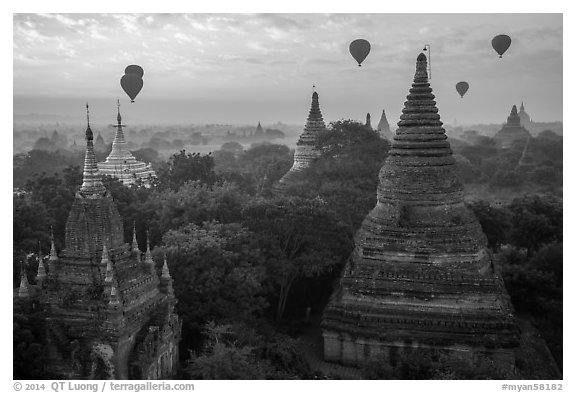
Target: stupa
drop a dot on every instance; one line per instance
(108, 314)
(384, 128)
(420, 277)
(306, 151)
(512, 133)
(121, 164)
(368, 122)
(525, 120)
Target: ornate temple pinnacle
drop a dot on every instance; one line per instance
(109, 272)
(53, 254)
(148, 259)
(23, 290)
(105, 258)
(89, 135)
(134, 241)
(119, 118)
(165, 271)
(41, 273)
(91, 182)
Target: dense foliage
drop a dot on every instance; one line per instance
(249, 267)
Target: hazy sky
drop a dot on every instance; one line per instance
(245, 68)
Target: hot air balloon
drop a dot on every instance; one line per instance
(462, 88)
(132, 84)
(134, 69)
(501, 43)
(359, 49)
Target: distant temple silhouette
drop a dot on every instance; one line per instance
(512, 133)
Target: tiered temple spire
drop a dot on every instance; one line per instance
(384, 128)
(91, 181)
(105, 259)
(165, 271)
(53, 255)
(306, 151)
(24, 289)
(420, 277)
(41, 273)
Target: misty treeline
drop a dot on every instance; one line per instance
(252, 270)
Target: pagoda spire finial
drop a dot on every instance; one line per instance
(119, 118)
(91, 182)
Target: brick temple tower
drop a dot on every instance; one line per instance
(121, 164)
(420, 277)
(306, 151)
(109, 315)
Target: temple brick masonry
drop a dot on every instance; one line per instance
(306, 151)
(512, 133)
(121, 164)
(108, 314)
(421, 278)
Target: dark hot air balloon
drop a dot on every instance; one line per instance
(462, 88)
(359, 49)
(134, 69)
(132, 84)
(501, 43)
